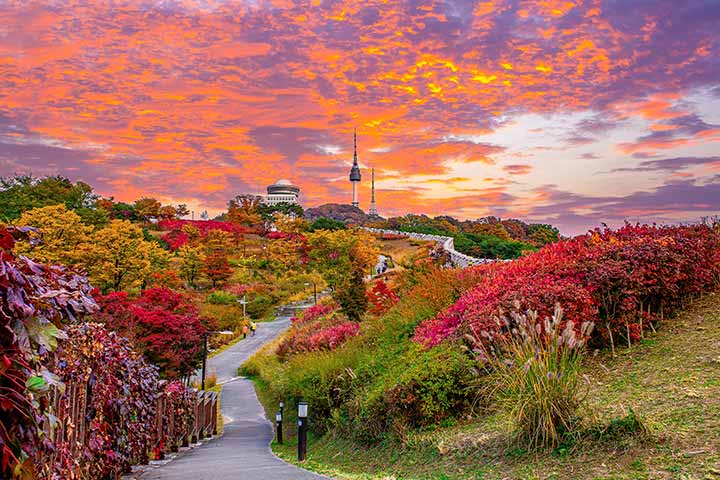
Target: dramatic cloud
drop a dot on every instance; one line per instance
(196, 101)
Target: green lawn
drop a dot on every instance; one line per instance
(671, 380)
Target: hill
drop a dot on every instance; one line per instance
(671, 381)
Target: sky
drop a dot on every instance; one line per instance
(576, 113)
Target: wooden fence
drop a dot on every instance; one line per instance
(168, 435)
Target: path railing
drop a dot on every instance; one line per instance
(170, 430)
(457, 259)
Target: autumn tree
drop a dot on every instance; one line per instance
(217, 239)
(147, 207)
(62, 234)
(120, 258)
(167, 212)
(162, 324)
(335, 254)
(351, 294)
(217, 268)
(243, 210)
(542, 234)
(289, 223)
(181, 210)
(191, 262)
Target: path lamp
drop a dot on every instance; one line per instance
(205, 349)
(243, 302)
(302, 430)
(282, 407)
(314, 290)
(278, 425)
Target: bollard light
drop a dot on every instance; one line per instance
(302, 430)
(278, 425)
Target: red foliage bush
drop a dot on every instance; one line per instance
(176, 238)
(310, 339)
(317, 329)
(605, 276)
(35, 301)
(381, 298)
(162, 324)
(313, 313)
(120, 390)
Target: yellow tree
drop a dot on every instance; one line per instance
(192, 232)
(284, 253)
(289, 224)
(191, 261)
(119, 257)
(336, 254)
(218, 240)
(62, 234)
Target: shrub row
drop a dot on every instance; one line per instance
(620, 279)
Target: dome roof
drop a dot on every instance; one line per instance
(283, 181)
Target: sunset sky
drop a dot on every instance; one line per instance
(569, 112)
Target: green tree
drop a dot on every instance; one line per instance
(351, 295)
(21, 193)
(323, 223)
(267, 211)
(542, 234)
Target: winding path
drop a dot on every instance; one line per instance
(243, 450)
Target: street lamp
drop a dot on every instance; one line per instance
(205, 348)
(302, 430)
(314, 290)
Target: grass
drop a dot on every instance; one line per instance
(656, 416)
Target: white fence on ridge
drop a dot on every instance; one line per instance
(447, 243)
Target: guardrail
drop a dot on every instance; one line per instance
(457, 259)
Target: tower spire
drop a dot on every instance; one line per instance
(354, 146)
(355, 172)
(373, 209)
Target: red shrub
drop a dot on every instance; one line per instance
(176, 238)
(605, 276)
(315, 312)
(313, 338)
(162, 324)
(381, 298)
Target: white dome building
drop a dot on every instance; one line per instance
(282, 191)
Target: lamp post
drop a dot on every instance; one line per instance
(302, 430)
(282, 407)
(314, 290)
(205, 349)
(278, 424)
(243, 302)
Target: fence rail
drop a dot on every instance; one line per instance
(170, 430)
(457, 259)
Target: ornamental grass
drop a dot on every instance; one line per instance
(534, 374)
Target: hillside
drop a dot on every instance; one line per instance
(671, 380)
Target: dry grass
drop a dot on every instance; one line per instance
(657, 416)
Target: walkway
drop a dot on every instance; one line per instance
(243, 450)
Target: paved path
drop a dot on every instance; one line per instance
(243, 450)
